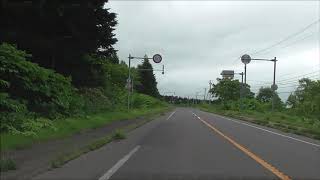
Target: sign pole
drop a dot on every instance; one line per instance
(129, 81)
(245, 73)
(274, 82)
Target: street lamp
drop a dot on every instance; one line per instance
(246, 59)
(156, 58)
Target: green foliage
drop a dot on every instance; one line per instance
(95, 100)
(7, 164)
(89, 72)
(148, 81)
(69, 126)
(12, 113)
(306, 98)
(284, 121)
(265, 95)
(144, 101)
(229, 89)
(60, 33)
(45, 91)
(119, 134)
(31, 94)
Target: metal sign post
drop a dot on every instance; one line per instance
(246, 60)
(156, 58)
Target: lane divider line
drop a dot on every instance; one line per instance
(255, 157)
(275, 133)
(118, 165)
(171, 115)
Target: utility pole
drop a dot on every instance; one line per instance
(204, 95)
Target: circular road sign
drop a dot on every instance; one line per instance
(245, 59)
(157, 58)
(274, 87)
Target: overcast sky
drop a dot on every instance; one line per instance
(198, 40)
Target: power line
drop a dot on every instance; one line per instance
(292, 43)
(312, 74)
(292, 79)
(287, 38)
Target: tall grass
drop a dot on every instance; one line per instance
(284, 121)
(66, 127)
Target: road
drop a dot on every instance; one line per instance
(191, 144)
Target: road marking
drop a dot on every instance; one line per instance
(118, 165)
(248, 152)
(289, 137)
(171, 115)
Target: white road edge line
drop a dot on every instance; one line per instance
(171, 115)
(118, 165)
(289, 137)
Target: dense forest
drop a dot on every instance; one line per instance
(57, 60)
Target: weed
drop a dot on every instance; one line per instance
(119, 134)
(7, 164)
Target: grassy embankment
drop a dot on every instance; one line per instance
(278, 120)
(66, 127)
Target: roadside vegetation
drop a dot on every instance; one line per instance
(7, 164)
(300, 114)
(118, 134)
(60, 75)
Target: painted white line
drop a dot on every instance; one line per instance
(171, 115)
(289, 137)
(118, 165)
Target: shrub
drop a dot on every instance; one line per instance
(7, 164)
(45, 91)
(12, 113)
(119, 134)
(94, 100)
(145, 101)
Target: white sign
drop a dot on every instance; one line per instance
(157, 58)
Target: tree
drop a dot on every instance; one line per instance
(229, 89)
(59, 33)
(265, 95)
(305, 100)
(148, 81)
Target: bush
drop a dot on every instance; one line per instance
(12, 113)
(7, 164)
(145, 101)
(95, 100)
(44, 91)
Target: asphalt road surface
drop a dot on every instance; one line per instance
(191, 144)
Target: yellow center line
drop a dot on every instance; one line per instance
(265, 164)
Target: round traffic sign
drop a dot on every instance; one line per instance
(245, 59)
(157, 58)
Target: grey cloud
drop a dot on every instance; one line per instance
(199, 39)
